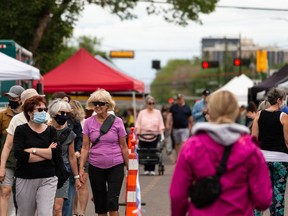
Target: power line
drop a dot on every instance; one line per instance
(153, 50)
(223, 6)
(252, 8)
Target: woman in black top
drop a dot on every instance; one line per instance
(270, 126)
(34, 148)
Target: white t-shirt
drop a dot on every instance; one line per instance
(273, 156)
(18, 119)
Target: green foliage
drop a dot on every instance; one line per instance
(179, 12)
(41, 26)
(170, 80)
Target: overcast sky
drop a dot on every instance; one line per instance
(153, 33)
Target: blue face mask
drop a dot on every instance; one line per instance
(39, 117)
(61, 119)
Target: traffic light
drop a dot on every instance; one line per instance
(241, 62)
(261, 61)
(210, 64)
(156, 64)
(121, 54)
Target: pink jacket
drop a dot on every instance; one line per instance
(245, 184)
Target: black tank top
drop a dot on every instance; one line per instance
(271, 136)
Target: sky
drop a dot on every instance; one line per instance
(154, 39)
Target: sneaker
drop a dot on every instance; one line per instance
(146, 173)
(152, 173)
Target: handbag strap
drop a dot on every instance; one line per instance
(105, 127)
(63, 135)
(222, 167)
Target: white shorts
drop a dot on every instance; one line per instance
(8, 180)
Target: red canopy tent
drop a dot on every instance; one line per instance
(84, 73)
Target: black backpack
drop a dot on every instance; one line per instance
(205, 192)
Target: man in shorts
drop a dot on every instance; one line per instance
(14, 107)
(179, 122)
(7, 166)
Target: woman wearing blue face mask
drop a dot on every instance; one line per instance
(34, 148)
(59, 110)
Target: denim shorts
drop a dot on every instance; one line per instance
(180, 135)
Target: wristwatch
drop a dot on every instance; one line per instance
(34, 151)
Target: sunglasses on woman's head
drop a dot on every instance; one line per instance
(41, 109)
(150, 103)
(99, 103)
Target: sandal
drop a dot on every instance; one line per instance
(75, 214)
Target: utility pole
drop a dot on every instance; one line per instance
(240, 54)
(225, 59)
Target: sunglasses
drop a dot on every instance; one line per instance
(150, 103)
(99, 103)
(41, 109)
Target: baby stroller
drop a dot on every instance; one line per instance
(151, 155)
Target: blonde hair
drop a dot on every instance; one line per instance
(223, 107)
(78, 109)
(263, 105)
(100, 95)
(149, 98)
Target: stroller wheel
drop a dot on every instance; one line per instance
(161, 169)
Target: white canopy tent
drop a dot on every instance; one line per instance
(12, 69)
(239, 86)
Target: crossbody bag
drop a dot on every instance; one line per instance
(105, 128)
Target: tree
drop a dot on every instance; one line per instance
(91, 44)
(40, 26)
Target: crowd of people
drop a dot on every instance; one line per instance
(35, 132)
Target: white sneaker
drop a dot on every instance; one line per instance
(152, 173)
(146, 173)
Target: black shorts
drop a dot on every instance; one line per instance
(106, 186)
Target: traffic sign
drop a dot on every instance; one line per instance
(121, 54)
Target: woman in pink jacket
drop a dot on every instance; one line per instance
(245, 183)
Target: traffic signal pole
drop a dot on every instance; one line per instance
(240, 54)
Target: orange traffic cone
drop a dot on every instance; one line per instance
(131, 206)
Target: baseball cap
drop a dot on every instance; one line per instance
(28, 93)
(15, 91)
(179, 96)
(206, 92)
(60, 95)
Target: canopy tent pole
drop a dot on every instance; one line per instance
(134, 106)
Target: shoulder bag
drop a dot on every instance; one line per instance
(205, 192)
(105, 127)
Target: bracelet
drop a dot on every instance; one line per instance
(77, 177)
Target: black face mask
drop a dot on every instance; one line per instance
(61, 119)
(14, 104)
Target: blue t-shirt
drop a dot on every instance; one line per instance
(197, 111)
